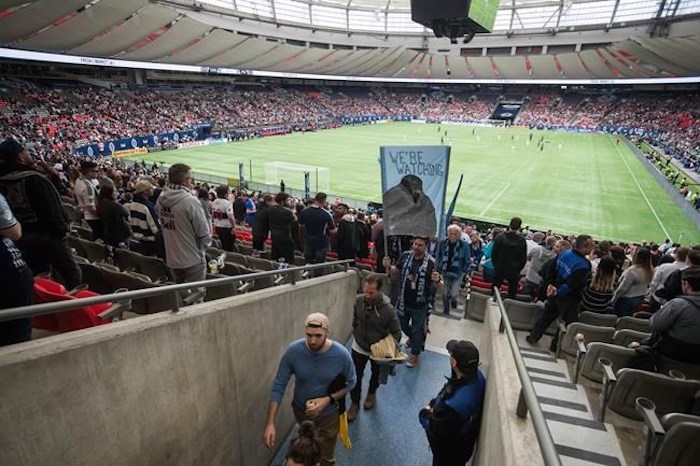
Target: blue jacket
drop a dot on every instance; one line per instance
(453, 423)
(573, 270)
(461, 258)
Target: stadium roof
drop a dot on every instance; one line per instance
(393, 16)
(167, 33)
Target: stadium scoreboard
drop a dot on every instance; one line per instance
(475, 16)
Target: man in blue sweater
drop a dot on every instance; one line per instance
(453, 260)
(564, 297)
(316, 363)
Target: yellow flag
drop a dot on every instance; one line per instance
(343, 431)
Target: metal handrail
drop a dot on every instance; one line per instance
(173, 290)
(528, 398)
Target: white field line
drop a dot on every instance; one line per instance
(653, 211)
(494, 199)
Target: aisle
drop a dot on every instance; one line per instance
(390, 435)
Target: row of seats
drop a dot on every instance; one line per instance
(600, 344)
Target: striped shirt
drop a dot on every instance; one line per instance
(143, 225)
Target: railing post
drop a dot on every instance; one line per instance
(175, 301)
(521, 409)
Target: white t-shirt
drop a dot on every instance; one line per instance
(222, 213)
(86, 196)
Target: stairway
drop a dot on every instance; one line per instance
(579, 438)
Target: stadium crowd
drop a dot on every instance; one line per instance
(123, 205)
(58, 119)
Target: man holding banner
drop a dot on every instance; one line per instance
(414, 182)
(418, 281)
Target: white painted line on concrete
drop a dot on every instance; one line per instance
(653, 211)
(494, 199)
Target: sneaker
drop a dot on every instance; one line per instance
(454, 304)
(370, 401)
(352, 412)
(412, 361)
(530, 340)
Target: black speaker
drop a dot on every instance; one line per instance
(425, 11)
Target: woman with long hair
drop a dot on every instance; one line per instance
(633, 283)
(305, 449)
(599, 292)
(114, 216)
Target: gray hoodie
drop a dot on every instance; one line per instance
(186, 231)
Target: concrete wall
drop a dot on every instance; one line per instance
(177, 389)
(505, 439)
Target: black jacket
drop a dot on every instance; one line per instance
(371, 324)
(34, 200)
(509, 254)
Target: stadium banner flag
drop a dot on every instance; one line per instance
(451, 209)
(414, 185)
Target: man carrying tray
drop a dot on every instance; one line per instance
(374, 319)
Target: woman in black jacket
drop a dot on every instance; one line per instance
(114, 216)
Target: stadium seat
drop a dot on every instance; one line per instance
(596, 318)
(591, 333)
(521, 314)
(626, 336)
(48, 291)
(618, 356)
(673, 439)
(257, 263)
(220, 291)
(126, 260)
(82, 232)
(622, 388)
(633, 323)
(478, 303)
(238, 258)
(690, 371)
(154, 267)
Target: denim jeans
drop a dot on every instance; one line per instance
(625, 306)
(450, 291)
(413, 323)
(316, 255)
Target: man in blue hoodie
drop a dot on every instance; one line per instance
(564, 296)
(186, 231)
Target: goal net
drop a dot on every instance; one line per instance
(293, 175)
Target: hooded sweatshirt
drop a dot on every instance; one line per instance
(509, 253)
(186, 230)
(373, 323)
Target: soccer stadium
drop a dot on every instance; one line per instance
(496, 204)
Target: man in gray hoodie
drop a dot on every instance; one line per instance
(186, 231)
(374, 319)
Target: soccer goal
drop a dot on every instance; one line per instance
(293, 175)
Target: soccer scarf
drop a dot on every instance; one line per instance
(420, 287)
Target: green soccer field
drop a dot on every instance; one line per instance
(579, 183)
